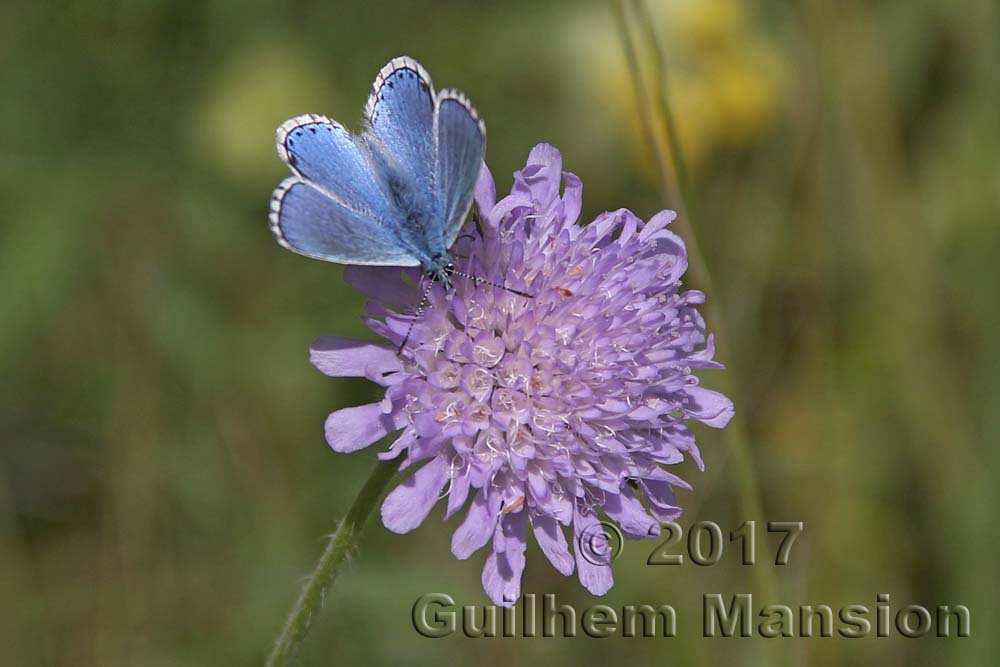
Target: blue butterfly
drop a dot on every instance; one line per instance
(397, 194)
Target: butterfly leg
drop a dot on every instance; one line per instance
(424, 296)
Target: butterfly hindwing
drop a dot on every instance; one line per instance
(461, 137)
(305, 219)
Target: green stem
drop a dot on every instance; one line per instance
(685, 185)
(643, 101)
(682, 194)
(338, 549)
(735, 434)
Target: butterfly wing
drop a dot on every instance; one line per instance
(306, 220)
(401, 111)
(461, 141)
(333, 209)
(436, 140)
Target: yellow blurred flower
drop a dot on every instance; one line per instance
(725, 76)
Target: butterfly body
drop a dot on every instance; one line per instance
(395, 195)
(415, 213)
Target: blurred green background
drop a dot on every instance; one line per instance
(164, 481)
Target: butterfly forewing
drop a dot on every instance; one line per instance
(400, 111)
(324, 152)
(461, 142)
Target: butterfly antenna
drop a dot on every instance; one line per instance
(420, 313)
(483, 281)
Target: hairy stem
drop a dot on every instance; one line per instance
(338, 549)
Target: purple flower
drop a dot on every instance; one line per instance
(541, 411)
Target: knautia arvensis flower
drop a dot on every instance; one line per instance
(549, 411)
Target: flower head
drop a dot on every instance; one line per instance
(540, 411)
